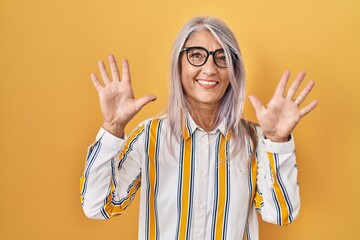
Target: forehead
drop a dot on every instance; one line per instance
(203, 38)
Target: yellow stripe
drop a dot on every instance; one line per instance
(279, 195)
(185, 186)
(258, 200)
(132, 136)
(111, 209)
(82, 180)
(221, 189)
(152, 177)
(253, 178)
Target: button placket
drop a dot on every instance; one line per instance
(202, 180)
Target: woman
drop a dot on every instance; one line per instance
(203, 171)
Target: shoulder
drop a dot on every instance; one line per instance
(145, 130)
(155, 120)
(151, 124)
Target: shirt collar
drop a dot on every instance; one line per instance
(191, 126)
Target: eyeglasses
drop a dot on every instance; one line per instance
(197, 56)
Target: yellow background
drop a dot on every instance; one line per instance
(50, 114)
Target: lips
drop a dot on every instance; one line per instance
(207, 83)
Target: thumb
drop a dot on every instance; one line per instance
(141, 102)
(256, 103)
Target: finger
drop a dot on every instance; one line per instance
(103, 72)
(308, 108)
(295, 85)
(141, 102)
(125, 71)
(305, 92)
(95, 81)
(114, 68)
(280, 89)
(256, 103)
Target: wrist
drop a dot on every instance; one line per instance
(115, 129)
(278, 139)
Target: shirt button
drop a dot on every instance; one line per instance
(203, 175)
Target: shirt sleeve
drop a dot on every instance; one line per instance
(277, 197)
(112, 174)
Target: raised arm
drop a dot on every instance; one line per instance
(113, 165)
(277, 197)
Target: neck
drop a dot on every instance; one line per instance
(205, 116)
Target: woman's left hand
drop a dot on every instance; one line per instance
(281, 115)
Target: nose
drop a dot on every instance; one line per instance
(210, 67)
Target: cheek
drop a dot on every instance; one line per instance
(188, 73)
(225, 78)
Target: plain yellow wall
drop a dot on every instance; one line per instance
(50, 114)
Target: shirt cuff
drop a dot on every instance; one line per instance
(279, 147)
(109, 140)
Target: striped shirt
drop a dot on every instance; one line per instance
(192, 189)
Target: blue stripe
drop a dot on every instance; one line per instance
(227, 204)
(102, 211)
(188, 126)
(277, 205)
(191, 187)
(156, 188)
(248, 233)
(283, 188)
(130, 148)
(92, 156)
(89, 162)
(113, 172)
(147, 177)
(118, 203)
(131, 197)
(213, 228)
(181, 159)
(250, 184)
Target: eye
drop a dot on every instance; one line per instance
(197, 54)
(220, 56)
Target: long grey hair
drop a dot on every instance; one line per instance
(232, 103)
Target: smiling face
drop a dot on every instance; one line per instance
(204, 86)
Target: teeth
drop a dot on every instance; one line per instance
(207, 82)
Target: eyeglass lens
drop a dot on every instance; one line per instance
(198, 56)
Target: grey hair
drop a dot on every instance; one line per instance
(231, 107)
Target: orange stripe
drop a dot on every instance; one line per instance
(152, 177)
(111, 209)
(222, 167)
(253, 178)
(185, 186)
(82, 180)
(279, 195)
(245, 238)
(132, 136)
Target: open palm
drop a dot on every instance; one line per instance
(281, 115)
(116, 97)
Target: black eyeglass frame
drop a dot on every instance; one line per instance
(208, 53)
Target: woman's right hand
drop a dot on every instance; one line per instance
(116, 97)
